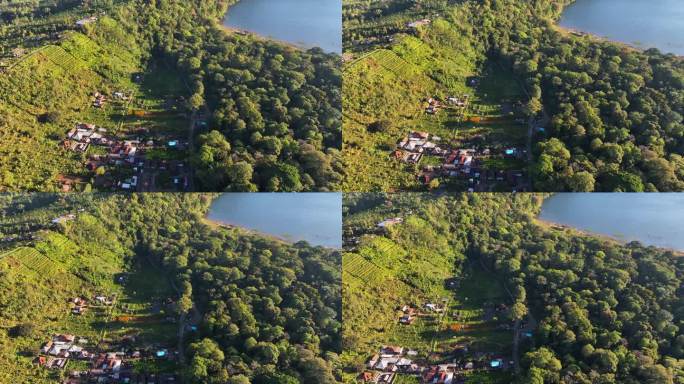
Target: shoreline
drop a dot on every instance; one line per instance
(256, 35)
(548, 224)
(603, 39)
(255, 232)
(223, 224)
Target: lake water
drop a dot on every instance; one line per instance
(651, 218)
(642, 23)
(304, 23)
(314, 217)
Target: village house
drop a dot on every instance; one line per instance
(100, 100)
(433, 106)
(407, 318)
(458, 101)
(109, 362)
(86, 21)
(63, 218)
(433, 307)
(389, 222)
(419, 23)
(386, 378)
(80, 305)
(368, 377)
(390, 350)
(120, 95)
(104, 300)
(439, 374)
(51, 362)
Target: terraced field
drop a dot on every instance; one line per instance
(359, 267)
(62, 58)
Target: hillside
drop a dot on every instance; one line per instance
(50, 90)
(473, 288)
(432, 78)
(170, 296)
(562, 111)
(153, 100)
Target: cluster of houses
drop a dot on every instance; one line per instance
(409, 313)
(128, 152)
(411, 148)
(105, 367)
(56, 353)
(391, 361)
(458, 162)
(435, 104)
(79, 305)
(383, 366)
(83, 135)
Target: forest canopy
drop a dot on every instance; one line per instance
(613, 115)
(270, 113)
(266, 311)
(606, 312)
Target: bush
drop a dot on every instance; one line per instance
(22, 330)
(379, 126)
(49, 117)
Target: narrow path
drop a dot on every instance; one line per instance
(516, 326)
(516, 347)
(181, 337)
(438, 326)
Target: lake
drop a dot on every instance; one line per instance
(641, 23)
(304, 23)
(313, 217)
(651, 218)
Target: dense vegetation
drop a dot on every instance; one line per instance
(604, 312)
(266, 311)
(273, 110)
(613, 115)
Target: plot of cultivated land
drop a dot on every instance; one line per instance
(60, 80)
(392, 86)
(38, 284)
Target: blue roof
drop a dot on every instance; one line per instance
(495, 363)
(173, 143)
(510, 151)
(161, 353)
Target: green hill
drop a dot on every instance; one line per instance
(391, 85)
(60, 80)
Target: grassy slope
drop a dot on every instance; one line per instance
(390, 84)
(58, 78)
(409, 266)
(38, 281)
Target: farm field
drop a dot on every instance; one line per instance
(39, 281)
(46, 93)
(390, 85)
(413, 269)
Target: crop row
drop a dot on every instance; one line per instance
(62, 58)
(35, 261)
(361, 268)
